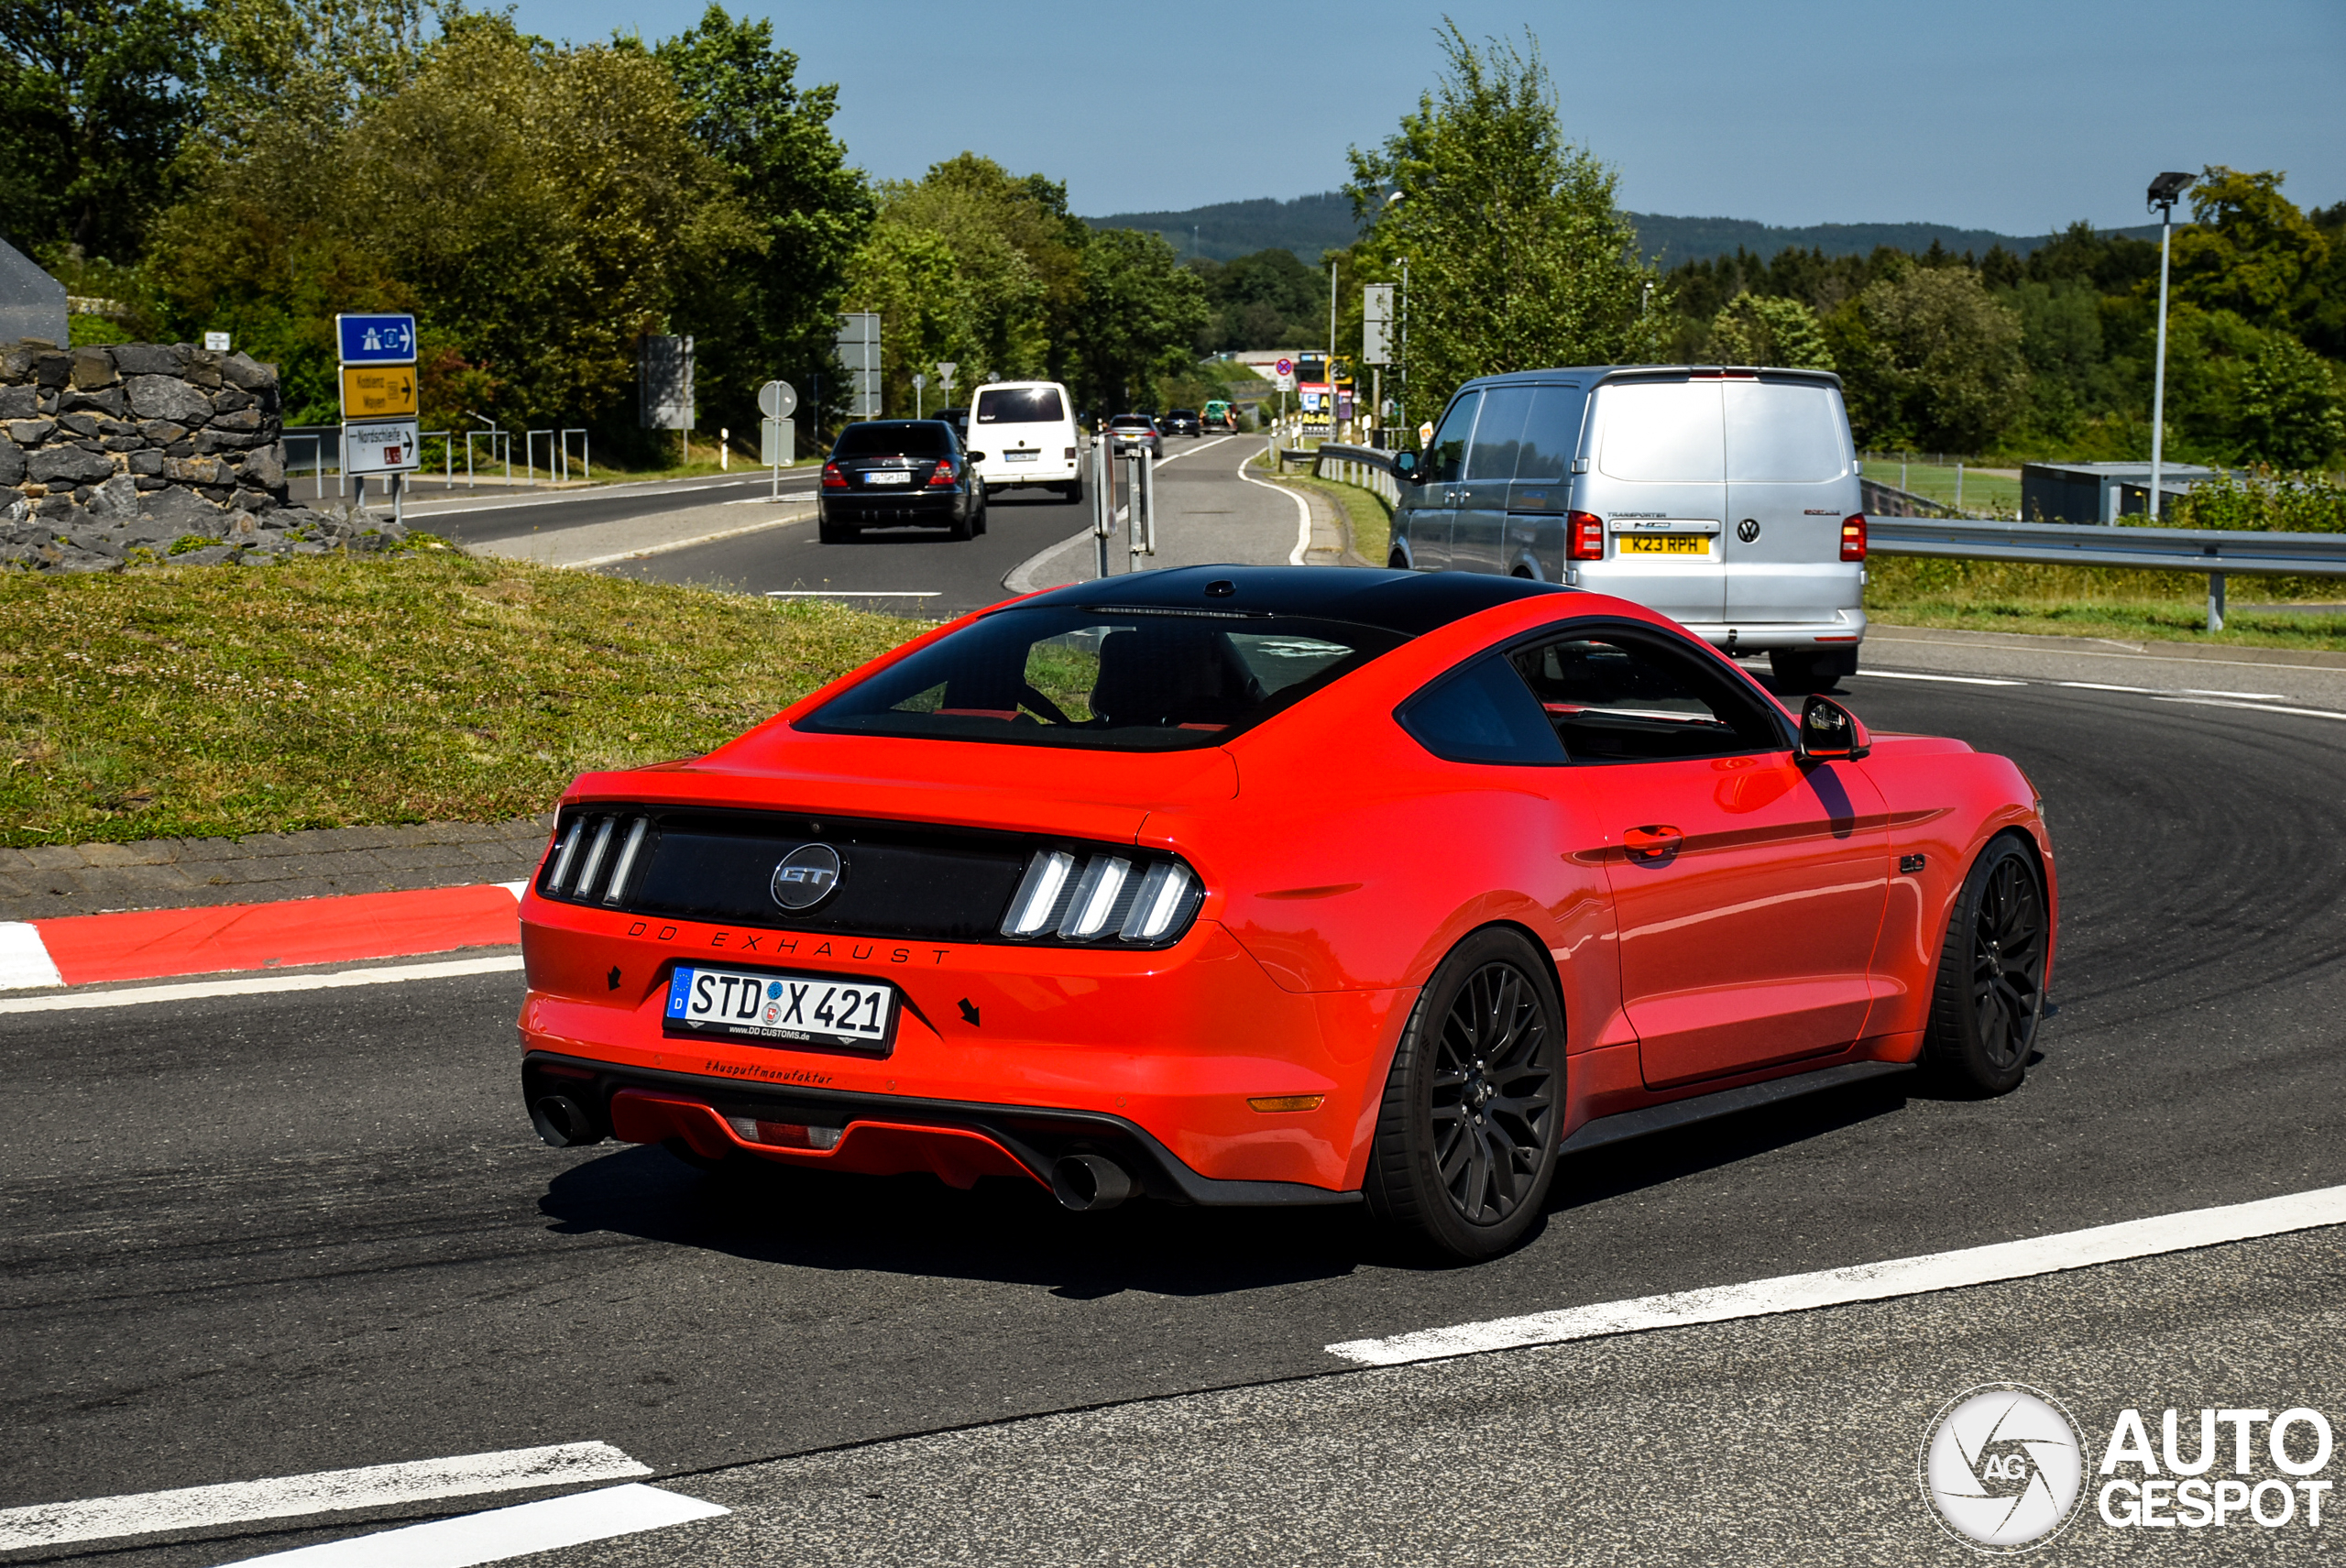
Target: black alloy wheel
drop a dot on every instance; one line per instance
(1991, 992)
(1466, 1139)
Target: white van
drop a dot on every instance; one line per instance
(1026, 430)
(1725, 497)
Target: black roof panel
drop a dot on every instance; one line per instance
(1408, 603)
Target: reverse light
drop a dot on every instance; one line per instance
(783, 1135)
(1583, 536)
(1853, 538)
(832, 479)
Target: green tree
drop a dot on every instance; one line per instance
(1755, 329)
(770, 312)
(2248, 250)
(1934, 361)
(2289, 414)
(95, 98)
(1518, 254)
(1141, 310)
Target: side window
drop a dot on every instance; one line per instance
(1481, 714)
(1621, 697)
(1498, 434)
(1550, 433)
(1447, 455)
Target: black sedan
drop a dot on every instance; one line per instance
(1128, 433)
(1183, 421)
(899, 470)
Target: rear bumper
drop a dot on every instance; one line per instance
(1002, 476)
(1845, 630)
(886, 1134)
(912, 506)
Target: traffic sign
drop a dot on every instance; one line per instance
(777, 442)
(380, 448)
(216, 342)
(378, 391)
(376, 340)
(1285, 366)
(920, 382)
(777, 400)
(945, 368)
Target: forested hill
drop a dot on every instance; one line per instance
(1310, 225)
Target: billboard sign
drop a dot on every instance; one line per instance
(664, 383)
(1377, 324)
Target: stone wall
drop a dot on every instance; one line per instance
(138, 453)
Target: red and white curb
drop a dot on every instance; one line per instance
(156, 944)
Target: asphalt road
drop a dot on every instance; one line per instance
(1205, 512)
(253, 1237)
(487, 520)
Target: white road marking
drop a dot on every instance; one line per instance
(25, 962)
(1951, 680)
(500, 1533)
(1302, 507)
(2098, 686)
(2252, 707)
(1869, 1281)
(321, 1492)
(257, 986)
(2252, 697)
(663, 549)
(1193, 450)
(853, 594)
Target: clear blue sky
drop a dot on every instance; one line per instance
(1991, 114)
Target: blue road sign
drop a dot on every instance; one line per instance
(376, 340)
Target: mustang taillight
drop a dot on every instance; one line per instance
(832, 479)
(1853, 538)
(1101, 897)
(602, 851)
(944, 475)
(1583, 536)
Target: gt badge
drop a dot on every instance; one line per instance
(807, 875)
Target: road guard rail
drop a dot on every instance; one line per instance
(2215, 553)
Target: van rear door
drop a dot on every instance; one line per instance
(1789, 485)
(1660, 475)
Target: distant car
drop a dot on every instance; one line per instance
(899, 470)
(1218, 415)
(960, 420)
(1184, 422)
(1127, 432)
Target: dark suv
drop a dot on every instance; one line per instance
(899, 470)
(1183, 421)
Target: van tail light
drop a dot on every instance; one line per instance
(1853, 538)
(1070, 453)
(832, 479)
(944, 475)
(1583, 536)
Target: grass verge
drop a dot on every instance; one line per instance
(327, 692)
(2075, 601)
(1368, 519)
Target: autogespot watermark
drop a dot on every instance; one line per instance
(2005, 1468)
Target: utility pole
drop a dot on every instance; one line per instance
(2164, 191)
(1332, 351)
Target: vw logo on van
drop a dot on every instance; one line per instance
(1748, 530)
(807, 875)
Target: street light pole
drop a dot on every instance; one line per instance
(2164, 192)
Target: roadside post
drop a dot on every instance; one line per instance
(777, 400)
(378, 402)
(945, 368)
(920, 385)
(1103, 502)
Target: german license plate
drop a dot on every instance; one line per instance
(1665, 543)
(752, 1004)
(888, 477)
(1020, 457)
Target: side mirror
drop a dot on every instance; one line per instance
(1831, 733)
(975, 456)
(1405, 467)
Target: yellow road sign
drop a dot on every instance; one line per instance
(378, 391)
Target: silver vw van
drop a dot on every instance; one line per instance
(1725, 499)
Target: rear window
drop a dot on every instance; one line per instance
(1021, 405)
(896, 438)
(1103, 679)
(1663, 431)
(1184, 413)
(1783, 433)
(1131, 422)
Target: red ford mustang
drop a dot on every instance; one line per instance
(1273, 887)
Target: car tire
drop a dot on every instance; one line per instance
(1467, 1136)
(963, 527)
(1801, 671)
(1072, 493)
(984, 515)
(1990, 995)
(835, 533)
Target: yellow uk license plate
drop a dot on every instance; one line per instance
(1665, 543)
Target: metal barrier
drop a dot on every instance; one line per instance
(1369, 467)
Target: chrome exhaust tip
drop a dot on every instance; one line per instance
(1087, 1183)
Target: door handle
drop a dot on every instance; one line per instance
(1653, 842)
